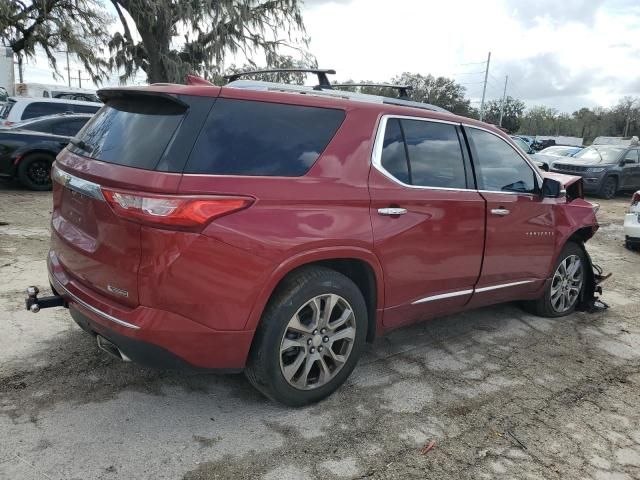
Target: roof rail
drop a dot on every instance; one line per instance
(403, 90)
(323, 80)
(328, 92)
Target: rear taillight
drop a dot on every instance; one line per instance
(172, 211)
(635, 203)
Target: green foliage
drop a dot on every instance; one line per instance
(623, 119)
(212, 30)
(512, 113)
(78, 26)
(440, 91)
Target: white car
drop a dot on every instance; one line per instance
(632, 223)
(17, 109)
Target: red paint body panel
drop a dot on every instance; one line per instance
(200, 295)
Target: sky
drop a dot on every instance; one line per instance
(564, 54)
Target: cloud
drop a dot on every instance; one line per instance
(564, 11)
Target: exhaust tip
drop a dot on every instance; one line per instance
(106, 346)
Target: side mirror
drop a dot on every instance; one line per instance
(551, 188)
(628, 161)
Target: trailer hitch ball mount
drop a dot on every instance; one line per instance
(35, 304)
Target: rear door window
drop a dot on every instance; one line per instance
(242, 137)
(435, 154)
(68, 127)
(423, 153)
(394, 152)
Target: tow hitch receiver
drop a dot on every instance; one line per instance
(34, 304)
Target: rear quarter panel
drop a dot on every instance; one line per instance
(296, 220)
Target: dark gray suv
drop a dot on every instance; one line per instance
(605, 169)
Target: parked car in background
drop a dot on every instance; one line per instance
(191, 225)
(605, 169)
(560, 151)
(540, 161)
(632, 223)
(544, 158)
(17, 109)
(36, 90)
(28, 149)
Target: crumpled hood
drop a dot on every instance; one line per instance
(565, 180)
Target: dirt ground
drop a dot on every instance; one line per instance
(503, 394)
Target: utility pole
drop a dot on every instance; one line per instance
(80, 79)
(504, 98)
(68, 68)
(484, 88)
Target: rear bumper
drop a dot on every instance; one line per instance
(151, 336)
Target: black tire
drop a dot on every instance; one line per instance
(34, 171)
(264, 364)
(544, 306)
(609, 188)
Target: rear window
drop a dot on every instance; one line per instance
(133, 132)
(242, 137)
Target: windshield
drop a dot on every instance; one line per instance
(558, 151)
(600, 154)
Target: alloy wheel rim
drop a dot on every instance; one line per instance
(566, 284)
(317, 342)
(39, 173)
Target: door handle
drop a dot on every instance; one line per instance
(392, 211)
(500, 211)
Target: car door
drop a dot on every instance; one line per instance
(427, 218)
(520, 233)
(631, 171)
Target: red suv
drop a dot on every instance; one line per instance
(276, 228)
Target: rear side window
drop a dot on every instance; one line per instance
(133, 132)
(434, 154)
(242, 137)
(40, 109)
(423, 153)
(86, 108)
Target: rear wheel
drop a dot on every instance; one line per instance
(34, 171)
(609, 188)
(563, 291)
(310, 337)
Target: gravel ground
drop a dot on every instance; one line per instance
(503, 394)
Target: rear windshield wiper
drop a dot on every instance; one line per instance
(80, 144)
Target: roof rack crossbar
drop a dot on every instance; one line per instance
(403, 90)
(323, 80)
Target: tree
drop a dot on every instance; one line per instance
(277, 62)
(210, 29)
(77, 26)
(441, 91)
(511, 116)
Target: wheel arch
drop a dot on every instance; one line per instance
(359, 265)
(20, 155)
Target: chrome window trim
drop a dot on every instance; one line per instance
(93, 309)
(77, 184)
(376, 157)
(443, 296)
(529, 163)
(502, 285)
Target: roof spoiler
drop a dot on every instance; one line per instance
(403, 90)
(323, 80)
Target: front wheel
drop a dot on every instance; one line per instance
(609, 188)
(310, 337)
(567, 283)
